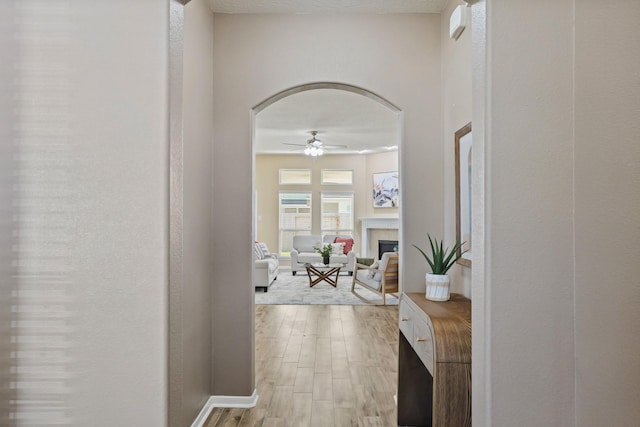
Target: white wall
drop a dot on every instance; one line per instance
(91, 125)
(9, 50)
(119, 249)
(456, 112)
(196, 331)
(607, 202)
(255, 57)
(528, 206)
(555, 339)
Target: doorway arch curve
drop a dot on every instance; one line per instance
(325, 85)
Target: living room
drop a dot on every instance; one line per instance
(319, 197)
(326, 163)
(363, 167)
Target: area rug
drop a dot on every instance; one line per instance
(289, 289)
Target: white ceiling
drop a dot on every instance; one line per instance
(340, 117)
(327, 6)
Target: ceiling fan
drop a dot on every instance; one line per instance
(314, 146)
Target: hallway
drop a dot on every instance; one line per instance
(322, 365)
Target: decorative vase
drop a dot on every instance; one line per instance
(437, 287)
(325, 260)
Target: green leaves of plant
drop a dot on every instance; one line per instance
(441, 259)
(325, 251)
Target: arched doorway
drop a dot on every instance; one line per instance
(357, 125)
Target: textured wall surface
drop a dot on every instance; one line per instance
(9, 207)
(119, 249)
(255, 57)
(556, 294)
(90, 100)
(607, 202)
(196, 333)
(480, 292)
(528, 305)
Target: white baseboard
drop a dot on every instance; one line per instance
(224, 402)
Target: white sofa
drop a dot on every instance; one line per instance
(304, 252)
(266, 265)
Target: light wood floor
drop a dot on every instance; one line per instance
(322, 365)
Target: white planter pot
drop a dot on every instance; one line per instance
(437, 287)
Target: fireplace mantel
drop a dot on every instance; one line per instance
(371, 223)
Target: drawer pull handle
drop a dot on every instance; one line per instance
(420, 339)
(404, 319)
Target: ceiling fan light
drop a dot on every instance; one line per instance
(313, 151)
(314, 146)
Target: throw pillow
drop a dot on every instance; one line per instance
(264, 248)
(337, 248)
(258, 251)
(348, 243)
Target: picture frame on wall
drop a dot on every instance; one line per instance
(385, 190)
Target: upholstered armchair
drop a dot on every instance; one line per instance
(380, 278)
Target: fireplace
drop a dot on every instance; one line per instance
(375, 223)
(387, 246)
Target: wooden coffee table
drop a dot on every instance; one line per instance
(319, 272)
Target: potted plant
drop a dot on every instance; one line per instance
(325, 251)
(441, 260)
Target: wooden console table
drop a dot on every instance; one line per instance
(434, 372)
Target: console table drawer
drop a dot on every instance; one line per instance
(415, 327)
(407, 317)
(423, 343)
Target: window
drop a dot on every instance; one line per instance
(337, 213)
(295, 218)
(295, 176)
(337, 176)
